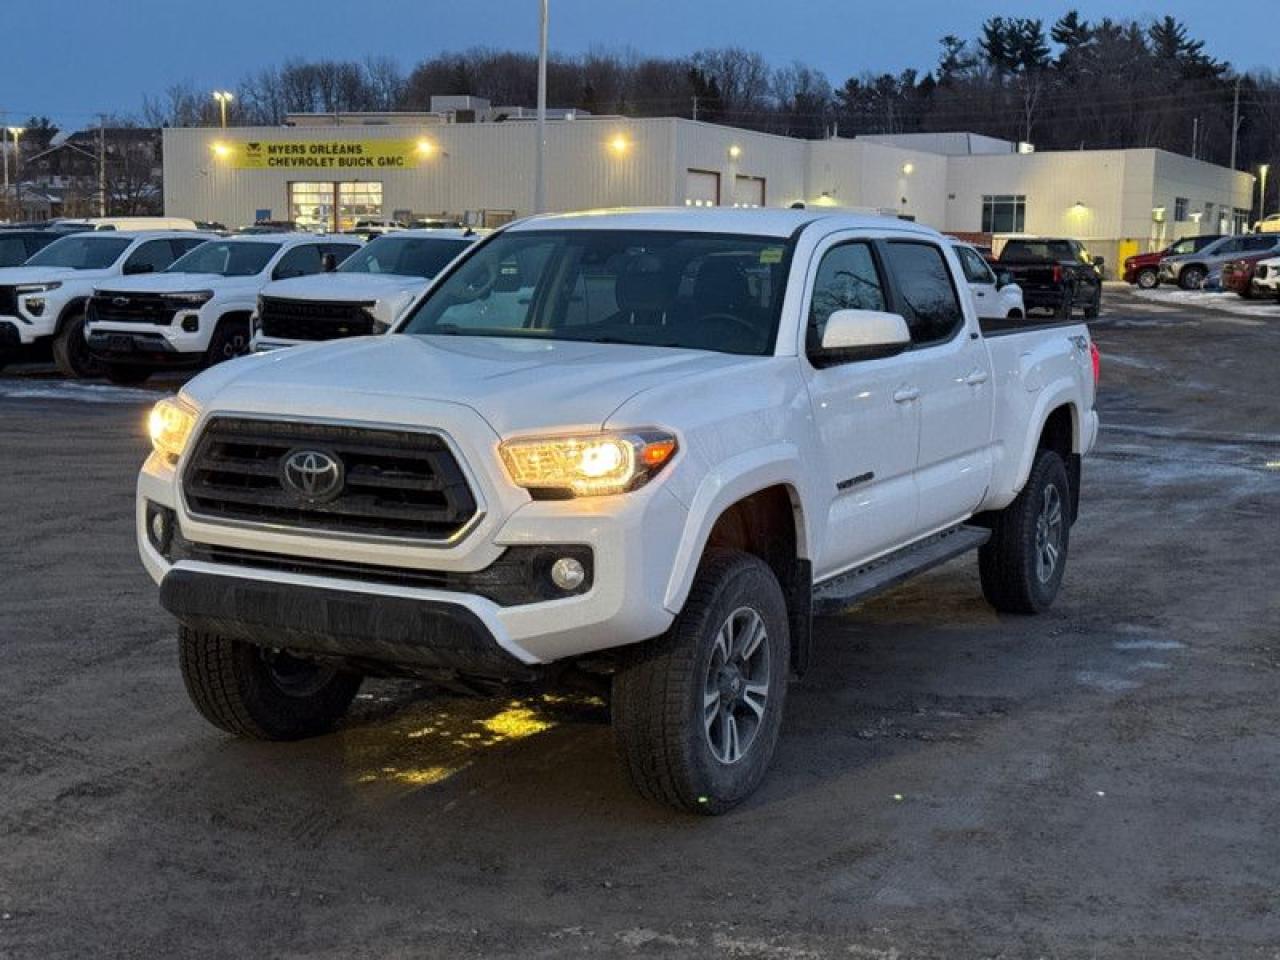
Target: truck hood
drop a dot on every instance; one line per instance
(169, 282)
(345, 286)
(517, 385)
(12, 276)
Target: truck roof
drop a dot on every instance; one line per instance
(755, 221)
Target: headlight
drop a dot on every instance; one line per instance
(24, 288)
(170, 425)
(589, 465)
(193, 298)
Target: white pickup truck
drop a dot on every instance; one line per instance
(42, 302)
(196, 312)
(639, 447)
(369, 293)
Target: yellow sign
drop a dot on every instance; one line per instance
(345, 155)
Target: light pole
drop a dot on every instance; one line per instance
(17, 170)
(1262, 191)
(539, 169)
(223, 97)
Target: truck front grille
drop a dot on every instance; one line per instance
(315, 319)
(153, 308)
(385, 482)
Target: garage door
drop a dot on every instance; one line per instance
(702, 188)
(749, 191)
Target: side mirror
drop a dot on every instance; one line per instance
(130, 269)
(328, 263)
(1003, 279)
(861, 335)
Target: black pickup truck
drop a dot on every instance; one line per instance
(1054, 274)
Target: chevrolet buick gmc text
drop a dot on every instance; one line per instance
(641, 448)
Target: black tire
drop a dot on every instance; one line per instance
(660, 698)
(260, 694)
(71, 351)
(230, 340)
(1093, 309)
(126, 374)
(1010, 563)
(1067, 304)
(1192, 278)
(1147, 279)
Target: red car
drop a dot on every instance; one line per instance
(1144, 268)
(1237, 274)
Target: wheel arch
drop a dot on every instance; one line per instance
(70, 308)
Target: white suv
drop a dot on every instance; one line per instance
(366, 295)
(42, 302)
(196, 313)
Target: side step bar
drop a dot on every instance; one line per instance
(853, 586)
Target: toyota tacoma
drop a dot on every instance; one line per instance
(641, 449)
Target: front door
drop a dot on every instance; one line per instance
(867, 418)
(951, 368)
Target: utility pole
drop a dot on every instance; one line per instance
(6, 175)
(1195, 139)
(695, 106)
(539, 170)
(102, 164)
(1235, 123)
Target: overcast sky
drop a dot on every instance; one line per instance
(71, 58)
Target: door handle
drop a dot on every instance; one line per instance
(976, 378)
(906, 395)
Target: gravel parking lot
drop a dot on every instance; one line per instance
(1098, 782)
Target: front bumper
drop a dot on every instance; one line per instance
(140, 348)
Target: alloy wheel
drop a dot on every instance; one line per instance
(736, 691)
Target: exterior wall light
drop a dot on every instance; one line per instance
(220, 149)
(908, 168)
(735, 152)
(619, 145)
(425, 147)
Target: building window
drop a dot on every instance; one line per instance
(1180, 209)
(333, 206)
(1240, 220)
(1004, 213)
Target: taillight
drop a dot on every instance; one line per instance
(1096, 356)
(1057, 273)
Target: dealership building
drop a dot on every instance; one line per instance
(468, 160)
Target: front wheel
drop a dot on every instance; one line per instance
(1021, 566)
(229, 341)
(262, 694)
(1148, 279)
(696, 712)
(1191, 278)
(71, 351)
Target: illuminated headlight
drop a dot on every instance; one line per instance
(170, 426)
(587, 466)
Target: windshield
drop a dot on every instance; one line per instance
(700, 291)
(81, 252)
(227, 258)
(404, 256)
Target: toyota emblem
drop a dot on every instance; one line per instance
(312, 475)
(119, 301)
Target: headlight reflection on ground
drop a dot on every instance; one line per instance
(428, 743)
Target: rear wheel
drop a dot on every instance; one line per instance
(1148, 279)
(262, 694)
(1022, 565)
(71, 351)
(1093, 309)
(1067, 304)
(696, 712)
(1191, 278)
(126, 374)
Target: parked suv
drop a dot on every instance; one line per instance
(196, 313)
(1189, 270)
(995, 294)
(635, 451)
(366, 295)
(1055, 274)
(42, 303)
(1143, 269)
(1266, 277)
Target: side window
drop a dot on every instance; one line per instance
(184, 245)
(1259, 243)
(927, 295)
(150, 257)
(301, 261)
(340, 251)
(975, 268)
(847, 280)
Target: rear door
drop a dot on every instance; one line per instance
(950, 370)
(867, 418)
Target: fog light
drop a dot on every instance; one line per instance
(568, 574)
(35, 306)
(191, 323)
(160, 527)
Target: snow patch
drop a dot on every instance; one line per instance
(77, 392)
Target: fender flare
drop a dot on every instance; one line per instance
(728, 482)
(1060, 393)
(72, 306)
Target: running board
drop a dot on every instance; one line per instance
(834, 595)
